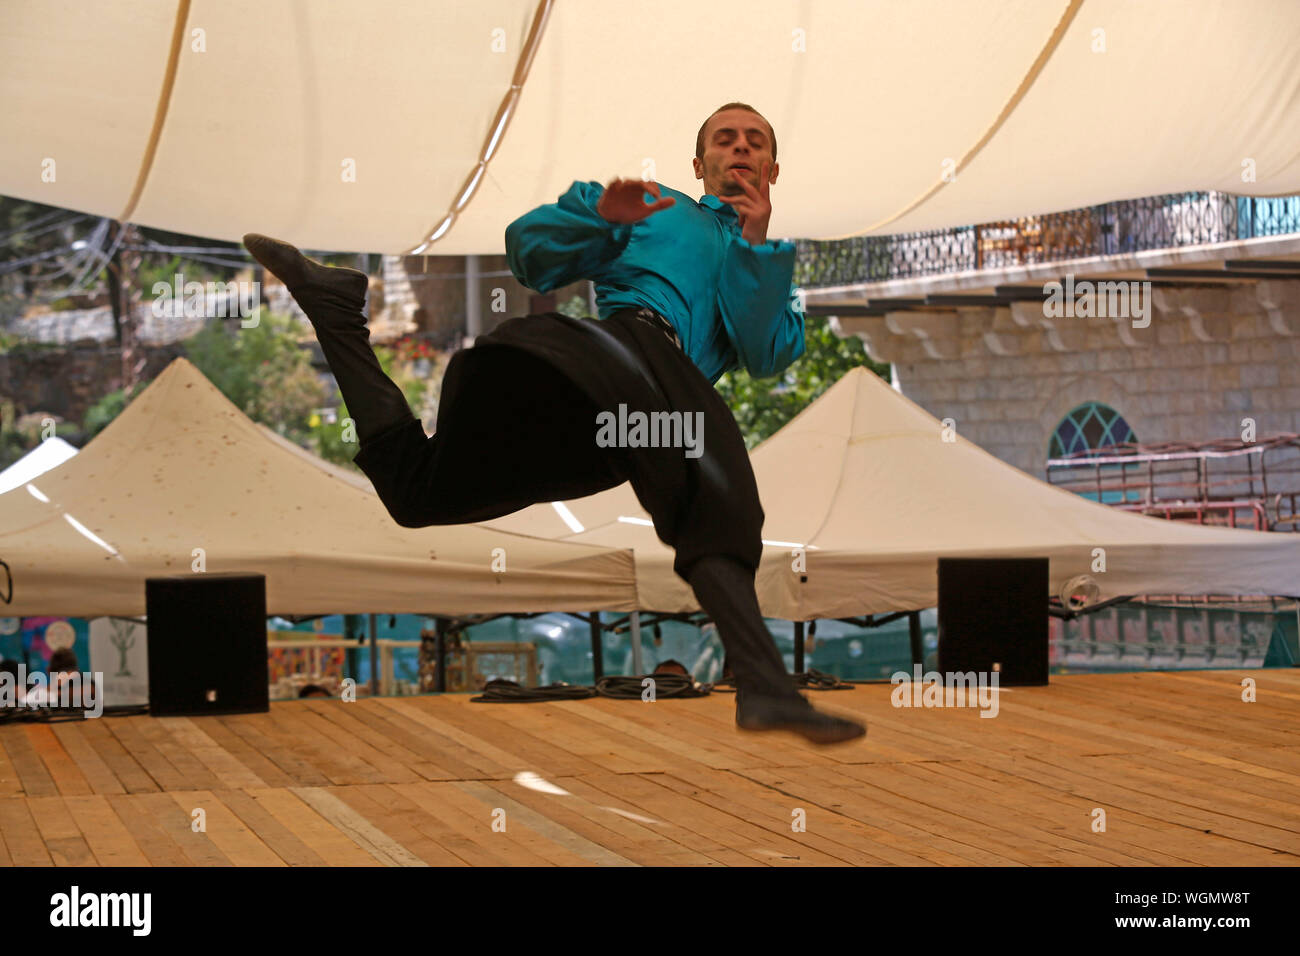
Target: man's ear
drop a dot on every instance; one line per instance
(773, 172)
(698, 167)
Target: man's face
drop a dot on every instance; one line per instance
(734, 138)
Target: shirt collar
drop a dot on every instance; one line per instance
(717, 205)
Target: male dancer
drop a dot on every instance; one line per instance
(686, 291)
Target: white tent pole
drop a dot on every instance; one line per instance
(638, 667)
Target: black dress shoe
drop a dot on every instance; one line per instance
(297, 272)
(796, 715)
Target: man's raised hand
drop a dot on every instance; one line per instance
(622, 201)
(754, 207)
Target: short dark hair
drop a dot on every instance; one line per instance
(699, 137)
(63, 660)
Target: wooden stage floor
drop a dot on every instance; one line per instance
(1185, 771)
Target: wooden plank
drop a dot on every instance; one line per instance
(100, 776)
(63, 839)
(271, 831)
(467, 834)
(300, 735)
(10, 784)
(154, 842)
(1256, 807)
(224, 766)
(327, 841)
(228, 833)
(110, 841)
(254, 760)
(1134, 835)
(542, 824)
(173, 813)
(1184, 833)
(1001, 831)
(22, 838)
(133, 777)
(194, 774)
(418, 807)
(254, 731)
(1127, 788)
(683, 820)
(396, 823)
(433, 763)
(33, 776)
(827, 832)
(522, 842)
(912, 832)
(522, 729)
(331, 720)
(357, 827)
(636, 842)
(1045, 814)
(483, 757)
(127, 732)
(894, 795)
(63, 769)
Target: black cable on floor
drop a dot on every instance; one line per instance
(501, 691)
(666, 685)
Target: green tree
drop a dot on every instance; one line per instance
(763, 406)
(330, 440)
(262, 370)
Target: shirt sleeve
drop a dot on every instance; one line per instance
(564, 241)
(756, 299)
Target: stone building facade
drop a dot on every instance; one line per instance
(1008, 375)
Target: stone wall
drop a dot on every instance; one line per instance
(428, 295)
(1008, 376)
(67, 381)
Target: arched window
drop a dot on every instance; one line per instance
(1089, 426)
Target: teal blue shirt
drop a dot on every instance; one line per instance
(731, 303)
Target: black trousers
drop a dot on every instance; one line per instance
(518, 425)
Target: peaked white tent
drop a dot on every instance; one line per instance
(863, 481)
(48, 454)
(183, 475)
(392, 125)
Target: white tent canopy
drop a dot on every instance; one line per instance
(865, 483)
(183, 475)
(373, 126)
(49, 453)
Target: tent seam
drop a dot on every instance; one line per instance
(1035, 69)
(160, 111)
(496, 134)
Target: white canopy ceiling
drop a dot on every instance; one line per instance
(863, 480)
(183, 474)
(219, 117)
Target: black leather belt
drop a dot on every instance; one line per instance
(659, 322)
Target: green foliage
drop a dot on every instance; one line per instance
(762, 406)
(106, 409)
(332, 442)
(262, 370)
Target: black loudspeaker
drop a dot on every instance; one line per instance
(207, 644)
(993, 617)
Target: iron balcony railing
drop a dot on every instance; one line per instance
(1226, 482)
(1154, 222)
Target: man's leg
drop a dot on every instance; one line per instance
(708, 510)
(725, 589)
(333, 300)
